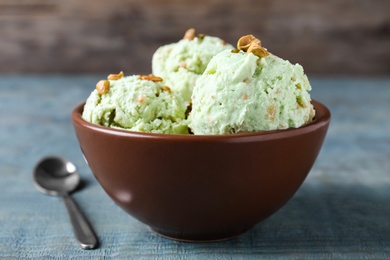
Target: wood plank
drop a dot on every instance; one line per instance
(49, 36)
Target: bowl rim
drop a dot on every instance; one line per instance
(321, 119)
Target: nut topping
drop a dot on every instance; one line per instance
(103, 86)
(115, 76)
(189, 34)
(201, 36)
(251, 44)
(166, 88)
(245, 41)
(258, 51)
(150, 77)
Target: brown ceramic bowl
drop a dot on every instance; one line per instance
(201, 188)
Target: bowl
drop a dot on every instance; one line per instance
(201, 188)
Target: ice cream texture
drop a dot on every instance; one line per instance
(250, 90)
(137, 103)
(246, 89)
(180, 64)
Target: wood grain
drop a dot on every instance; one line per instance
(97, 36)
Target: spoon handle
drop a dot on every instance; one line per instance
(81, 228)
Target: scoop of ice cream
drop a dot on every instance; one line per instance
(137, 103)
(180, 64)
(242, 92)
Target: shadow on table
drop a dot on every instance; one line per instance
(318, 220)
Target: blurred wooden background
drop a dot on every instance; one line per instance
(100, 36)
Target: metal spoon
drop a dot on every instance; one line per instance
(57, 176)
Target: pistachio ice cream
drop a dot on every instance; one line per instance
(246, 89)
(137, 103)
(180, 64)
(249, 90)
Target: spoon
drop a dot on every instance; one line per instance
(57, 176)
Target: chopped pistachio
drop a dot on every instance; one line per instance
(150, 77)
(166, 88)
(115, 76)
(251, 44)
(103, 86)
(189, 34)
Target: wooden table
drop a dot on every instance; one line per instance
(342, 210)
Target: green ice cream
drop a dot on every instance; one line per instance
(241, 92)
(232, 91)
(180, 64)
(137, 104)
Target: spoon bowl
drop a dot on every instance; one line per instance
(57, 176)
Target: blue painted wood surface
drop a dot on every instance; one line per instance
(342, 210)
